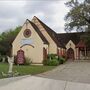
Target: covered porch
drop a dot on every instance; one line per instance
(82, 51)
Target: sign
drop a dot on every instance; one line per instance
(20, 57)
(26, 41)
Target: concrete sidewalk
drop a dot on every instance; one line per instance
(6, 81)
(38, 83)
(70, 71)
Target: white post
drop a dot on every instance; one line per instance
(76, 56)
(85, 53)
(10, 61)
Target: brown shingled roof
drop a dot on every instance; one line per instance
(39, 33)
(51, 33)
(75, 37)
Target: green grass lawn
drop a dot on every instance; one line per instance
(25, 69)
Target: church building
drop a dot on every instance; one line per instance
(36, 40)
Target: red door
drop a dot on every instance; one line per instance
(70, 54)
(20, 57)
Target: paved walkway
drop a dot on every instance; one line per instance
(69, 76)
(7, 81)
(70, 71)
(38, 83)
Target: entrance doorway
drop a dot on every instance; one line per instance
(20, 57)
(70, 54)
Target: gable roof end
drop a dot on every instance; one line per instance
(39, 33)
(51, 33)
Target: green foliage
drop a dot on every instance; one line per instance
(53, 60)
(0, 58)
(88, 41)
(86, 38)
(28, 61)
(52, 56)
(45, 62)
(3, 58)
(79, 15)
(25, 70)
(61, 60)
(6, 39)
(78, 18)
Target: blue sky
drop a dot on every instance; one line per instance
(15, 12)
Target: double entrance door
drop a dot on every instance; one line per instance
(70, 54)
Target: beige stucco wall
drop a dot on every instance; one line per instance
(52, 44)
(70, 44)
(36, 53)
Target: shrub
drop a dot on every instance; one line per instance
(52, 56)
(45, 62)
(53, 62)
(3, 58)
(61, 60)
(0, 58)
(28, 61)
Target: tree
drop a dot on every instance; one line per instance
(6, 39)
(78, 18)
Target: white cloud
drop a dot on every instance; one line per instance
(58, 17)
(14, 13)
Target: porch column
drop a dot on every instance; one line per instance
(62, 52)
(58, 52)
(85, 53)
(78, 53)
(76, 57)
